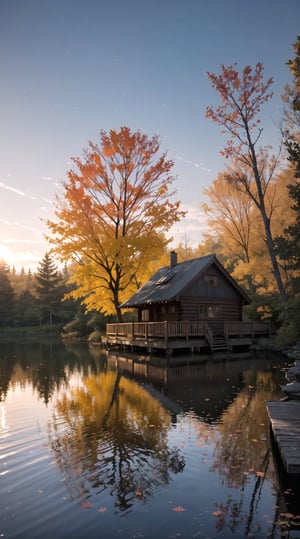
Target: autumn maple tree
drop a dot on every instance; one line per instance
(242, 95)
(113, 215)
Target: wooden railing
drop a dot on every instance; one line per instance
(182, 329)
(143, 330)
(209, 335)
(246, 328)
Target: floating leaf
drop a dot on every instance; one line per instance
(86, 505)
(178, 509)
(217, 513)
(101, 509)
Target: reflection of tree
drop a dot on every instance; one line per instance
(7, 365)
(46, 364)
(242, 453)
(244, 428)
(112, 435)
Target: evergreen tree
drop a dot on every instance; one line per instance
(27, 309)
(7, 297)
(291, 97)
(49, 290)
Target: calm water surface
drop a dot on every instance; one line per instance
(114, 446)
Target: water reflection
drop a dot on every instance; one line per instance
(46, 364)
(141, 437)
(112, 434)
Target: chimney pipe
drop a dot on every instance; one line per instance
(173, 259)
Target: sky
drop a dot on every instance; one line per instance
(71, 68)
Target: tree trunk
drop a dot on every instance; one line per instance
(119, 314)
(262, 208)
(270, 244)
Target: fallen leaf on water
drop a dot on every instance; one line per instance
(86, 505)
(101, 509)
(178, 509)
(260, 474)
(217, 513)
(139, 492)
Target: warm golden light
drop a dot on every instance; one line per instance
(6, 255)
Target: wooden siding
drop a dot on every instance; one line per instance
(202, 289)
(230, 310)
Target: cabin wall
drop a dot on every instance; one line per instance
(211, 297)
(213, 284)
(195, 308)
(160, 312)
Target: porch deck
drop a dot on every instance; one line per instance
(171, 335)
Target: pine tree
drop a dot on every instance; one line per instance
(7, 297)
(48, 289)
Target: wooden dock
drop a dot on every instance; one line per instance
(195, 335)
(285, 424)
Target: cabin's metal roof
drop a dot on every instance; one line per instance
(168, 282)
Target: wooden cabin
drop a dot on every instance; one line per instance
(196, 301)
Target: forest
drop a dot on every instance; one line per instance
(110, 228)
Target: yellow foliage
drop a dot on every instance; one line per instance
(237, 224)
(113, 216)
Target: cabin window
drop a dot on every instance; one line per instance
(202, 311)
(210, 311)
(214, 311)
(145, 315)
(211, 280)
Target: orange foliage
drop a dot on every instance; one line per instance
(113, 216)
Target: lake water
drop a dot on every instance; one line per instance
(96, 444)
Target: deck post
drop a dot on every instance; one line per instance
(166, 332)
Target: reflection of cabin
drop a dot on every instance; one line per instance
(193, 304)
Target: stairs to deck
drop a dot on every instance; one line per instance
(216, 337)
(219, 343)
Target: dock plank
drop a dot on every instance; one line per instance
(284, 418)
